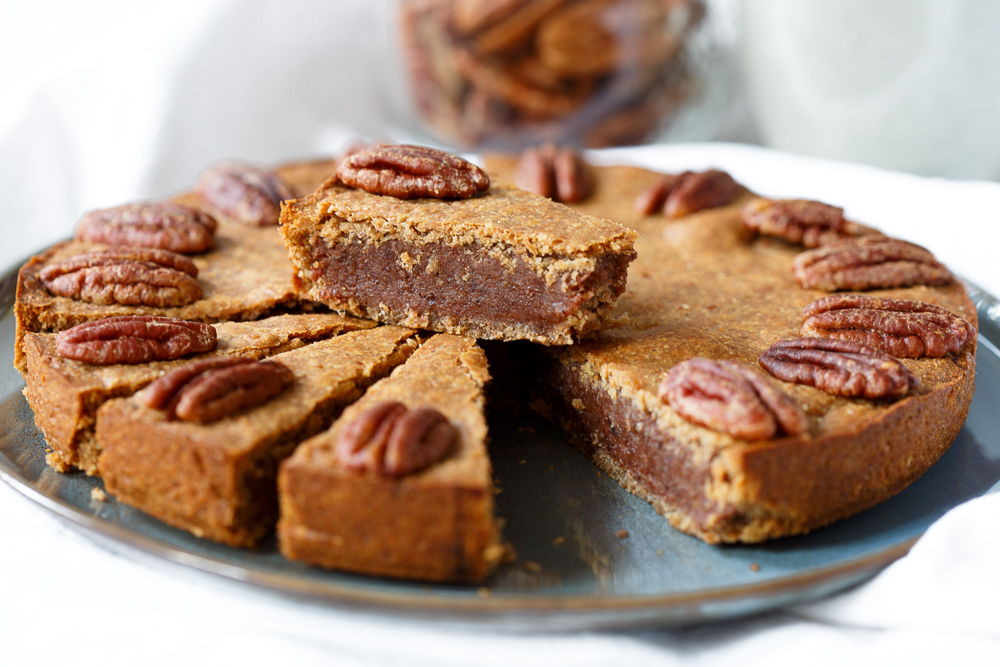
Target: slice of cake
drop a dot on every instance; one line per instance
(65, 394)
(696, 404)
(215, 477)
(241, 272)
(410, 236)
(401, 484)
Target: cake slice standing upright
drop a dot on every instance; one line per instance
(416, 237)
(401, 484)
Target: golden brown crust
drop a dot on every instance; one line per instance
(436, 524)
(512, 242)
(217, 480)
(777, 482)
(245, 276)
(503, 215)
(65, 394)
(704, 285)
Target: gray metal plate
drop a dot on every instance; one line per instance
(589, 579)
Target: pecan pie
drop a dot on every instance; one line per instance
(496, 263)
(401, 484)
(740, 400)
(707, 285)
(216, 478)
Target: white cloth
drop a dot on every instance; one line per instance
(115, 118)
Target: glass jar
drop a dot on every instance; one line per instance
(913, 86)
(506, 74)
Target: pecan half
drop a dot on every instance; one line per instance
(164, 258)
(604, 37)
(868, 262)
(243, 192)
(209, 389)
(803, 221)
(412, 171)
(681, 194)
(134, 339)
(557, 173)
(655, 196)
(909, 329)
(516, 29)
(841, 367)
(389, 439)
(163, 225)
(696, 192)
(161, 392)
(471, 16)
(125, 275)
(521, 87)
(725, 396)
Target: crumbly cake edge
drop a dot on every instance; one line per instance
(81, 450)
(729, 484)
(591, 315)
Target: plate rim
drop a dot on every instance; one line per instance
(591, 610)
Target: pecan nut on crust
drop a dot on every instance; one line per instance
(125, 275)
(134, 339)
(841, 367)
(907, 329)
(655, 196)
(243, 192)
(210, 389)
(407, 172)
(868, 262)
(681, 194)
(391, 440)
(809, 223)
(557, 173)
(163, 225)
(725, 396)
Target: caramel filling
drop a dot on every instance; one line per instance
(663, 469)
(455, 282)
